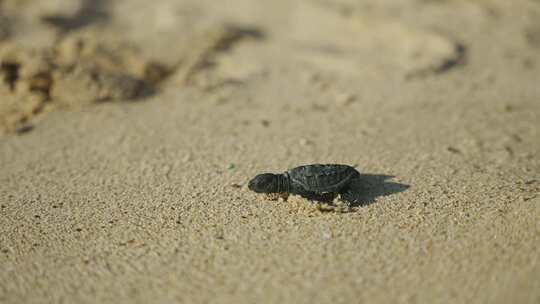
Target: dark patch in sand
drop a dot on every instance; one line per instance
(90, 12)
(10, 72)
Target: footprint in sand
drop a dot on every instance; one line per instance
(350, 43)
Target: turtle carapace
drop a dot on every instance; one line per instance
(316, 182)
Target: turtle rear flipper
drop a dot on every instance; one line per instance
(350, 196)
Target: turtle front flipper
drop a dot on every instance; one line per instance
(312, 196)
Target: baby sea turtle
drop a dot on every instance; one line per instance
(319, 182)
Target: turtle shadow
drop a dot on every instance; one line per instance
(368, 187)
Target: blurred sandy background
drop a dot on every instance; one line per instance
(130, 129)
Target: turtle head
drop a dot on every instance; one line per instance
(264, 183)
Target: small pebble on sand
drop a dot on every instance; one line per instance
(345, 99)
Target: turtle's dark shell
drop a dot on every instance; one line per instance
(322, 178)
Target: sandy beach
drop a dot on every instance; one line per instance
(130, 129)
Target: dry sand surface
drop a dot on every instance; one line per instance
(131, 128)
